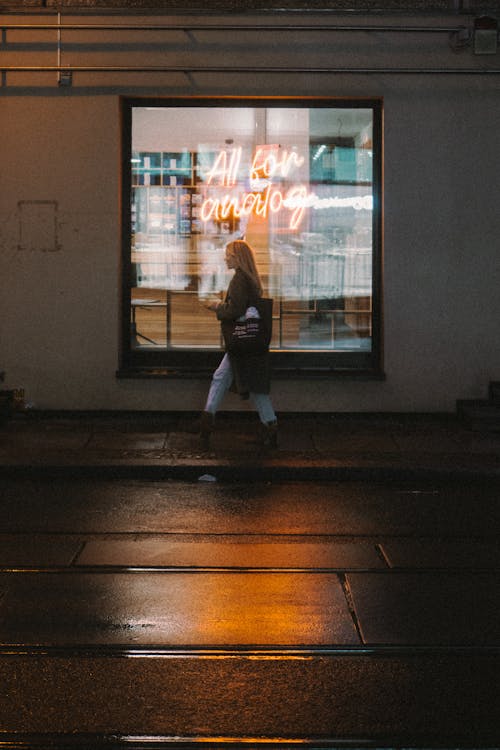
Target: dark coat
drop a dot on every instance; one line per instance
(251, 372)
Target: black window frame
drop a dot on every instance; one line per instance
(294, 364)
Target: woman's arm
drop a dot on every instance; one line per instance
(237, 298)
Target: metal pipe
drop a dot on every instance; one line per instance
(243, 69)
(234, 27)
(58, 40)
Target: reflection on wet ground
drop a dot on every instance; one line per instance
(333, 609)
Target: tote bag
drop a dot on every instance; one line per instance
(250, 334)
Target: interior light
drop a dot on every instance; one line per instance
(319, 152)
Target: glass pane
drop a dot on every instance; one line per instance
(148, 318)
(295, 182)
(191, 324)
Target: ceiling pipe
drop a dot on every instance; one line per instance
(59, 27)
(232, 27)
(243, 69)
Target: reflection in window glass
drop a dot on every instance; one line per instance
(296, 183)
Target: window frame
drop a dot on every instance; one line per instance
(294, 364)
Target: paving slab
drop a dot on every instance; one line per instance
(28, 445)
(442, 608)
(228, 553)
(479, 442)
(347, 441)
(429, 553)
(181, 609)
(426, 700)
(425, 441)
(123, 440)
(417, 509)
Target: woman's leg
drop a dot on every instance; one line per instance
(267, 417)
(221, 382)
(264, 406)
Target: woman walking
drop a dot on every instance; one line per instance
(248, 374)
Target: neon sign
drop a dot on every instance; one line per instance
(270, 200)
(263, 198)
(267, 163)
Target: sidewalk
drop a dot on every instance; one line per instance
(312, 445)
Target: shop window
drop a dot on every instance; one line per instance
(300, 180)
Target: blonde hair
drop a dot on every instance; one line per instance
(245, 261)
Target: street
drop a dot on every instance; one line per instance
(325, 612)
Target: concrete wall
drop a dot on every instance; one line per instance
(60, 225)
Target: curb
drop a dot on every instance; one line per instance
(251, 473)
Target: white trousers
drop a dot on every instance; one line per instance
(221, 383)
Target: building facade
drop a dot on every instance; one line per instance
(355, 148)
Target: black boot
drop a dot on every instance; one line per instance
(206, 426)
(270, 434)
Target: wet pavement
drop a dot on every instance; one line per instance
(322, 444)
(344, 701)
(342, 591)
